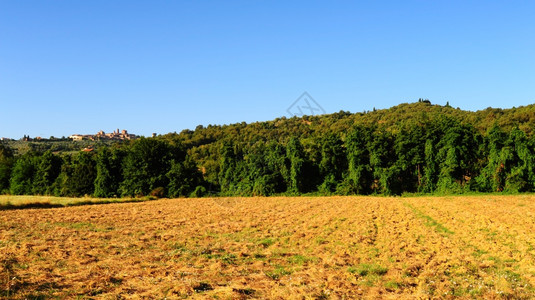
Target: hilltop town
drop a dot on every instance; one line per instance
(101, 135)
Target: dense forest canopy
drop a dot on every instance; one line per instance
(414, 148)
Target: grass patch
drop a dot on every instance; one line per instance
(266, 242)
(369, 273)
(368, 269)
(226, 258)
(27, 202)
(301, 260)
(429, 222)
(277, 273)
(392, 285)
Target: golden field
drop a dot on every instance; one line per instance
(273, 248)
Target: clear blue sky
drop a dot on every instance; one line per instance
(162, 66)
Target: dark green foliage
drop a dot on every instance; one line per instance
(458, 152)
(109, 172)
(430, 167)
(491, 177)
(6, 164)
(409, 147)
(296, 158)
(146, 165)
(61, 185)
(199, 191)
(78, 177)
(229, 158)
(261, 171)
(184, 178)
(48, 168)
(266, 167)
(417, 147)
(22, 174)
(333, 162)
(522, 175)
(277, 171)
(359, 178)
(382, 162)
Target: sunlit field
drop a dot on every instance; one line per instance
(275, 248)
(16, 202)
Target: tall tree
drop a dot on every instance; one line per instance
(22, 174)
(6, 164)
(492, 175)
(48, 168)
(109, 172)
(359, 178)
(83, 173)
(382, 162)
(458, 153)
(430, 168)
(145, 166)
(184, 177)
(520, 177)
(277, 162)
(333, 162)
(410, 153)
(296, 158)
(229, 159)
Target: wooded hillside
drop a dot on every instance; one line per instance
(417, 147)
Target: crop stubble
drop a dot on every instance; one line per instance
(324, 247)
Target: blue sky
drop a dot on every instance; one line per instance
(163, 66)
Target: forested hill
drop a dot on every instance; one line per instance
(417, 147)
(391, 119)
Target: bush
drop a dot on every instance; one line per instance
(158, 192)
(199, 191)
(328, 186)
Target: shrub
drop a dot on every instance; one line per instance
(158, 192)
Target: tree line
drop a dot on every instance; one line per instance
(442, 156)
(141, 168)
(411, 148)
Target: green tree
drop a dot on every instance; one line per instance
(520, 164)
(6, 164)
(228, 164)
(109, 172)
(184, 177)
(333, 162)
(296, 158)
(22, 175)
(145, 166)
(430, 168)
(492, 175)
(410, 154)
(458, 153)
(277, 164)
(382, 161)
(61, 185)
(47, 170)
(82, 174)
(359, 178)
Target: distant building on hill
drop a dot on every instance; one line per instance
(76, 137)
(101, 135)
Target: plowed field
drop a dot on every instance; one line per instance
(275, 248)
